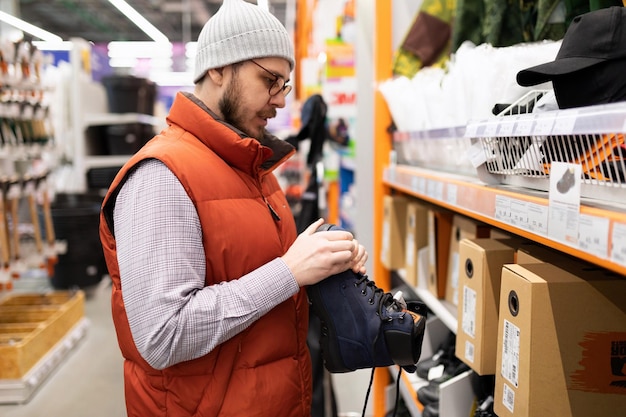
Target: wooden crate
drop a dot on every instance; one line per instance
(31, 324)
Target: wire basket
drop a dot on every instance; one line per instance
(519, 149)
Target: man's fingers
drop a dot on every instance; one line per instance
(335, 235)
(314, 226)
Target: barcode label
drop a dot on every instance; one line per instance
(469, 351)
(510, 352)
(469, 311)
(508, 397)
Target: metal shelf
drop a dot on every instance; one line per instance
(601, 225)
(105, 161)
(99, 119)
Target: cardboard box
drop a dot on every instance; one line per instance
(394, 232)
(416, 239)
(532, 252)
(479, 283)
(561, 343)
(439, 229)
(462, 228)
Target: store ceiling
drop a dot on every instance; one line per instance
(99, 21)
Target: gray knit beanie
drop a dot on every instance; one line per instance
(237, 32)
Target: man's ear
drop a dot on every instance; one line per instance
(217, 75)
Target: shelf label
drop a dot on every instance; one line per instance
(519, 213)
(537, 218)
(592, 235)
(564, 198)
(491, 128)
(618, 247)
(451, 194)
(564, 125)
(421, 185)
(503, 209)
(524, 127)
(543, 126)
(434, 189)
(506, 129)
(414, 183)
(471, 130)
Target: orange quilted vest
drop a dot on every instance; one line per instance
(264, 370)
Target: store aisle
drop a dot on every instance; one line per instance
(88, 383)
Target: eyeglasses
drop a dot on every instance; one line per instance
(278, 84)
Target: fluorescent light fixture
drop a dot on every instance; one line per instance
(190, 49)
(172, 79)
(53, 46)
(139, 50)
(28, 28)
(130, 62)
(141, 22)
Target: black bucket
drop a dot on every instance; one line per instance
(76, 220)
(129, 94)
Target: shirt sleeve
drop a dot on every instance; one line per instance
(173, 316)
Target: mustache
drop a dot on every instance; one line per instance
(269, 114)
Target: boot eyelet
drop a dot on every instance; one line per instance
(364, 292)
(371, 301)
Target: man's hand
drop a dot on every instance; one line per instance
(318, 255)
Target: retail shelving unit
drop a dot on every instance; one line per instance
(89, 109)
(519, 202)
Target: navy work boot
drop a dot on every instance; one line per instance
(363, 326)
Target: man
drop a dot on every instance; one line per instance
(200, 243)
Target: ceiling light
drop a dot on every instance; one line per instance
(28, 28)
(139, 49)
(53, 46)
(141, 22)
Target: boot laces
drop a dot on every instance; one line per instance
(388, 302)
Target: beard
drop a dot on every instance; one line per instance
(231, 108)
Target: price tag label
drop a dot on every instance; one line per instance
(451, 194)
(471, 130)
(537, 218)
(618, 247)
(564, 125)
(543, 126)
(519, 213)
(414, 181)
(592, 235)
(503, 209)
(524, 127)
(421, 185)
(491, 129)
(438, 188)
(506, 129)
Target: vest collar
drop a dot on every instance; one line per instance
(233, 145)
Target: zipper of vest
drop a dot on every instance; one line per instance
(272, 211)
